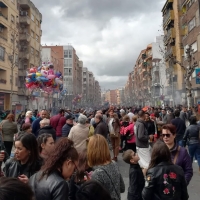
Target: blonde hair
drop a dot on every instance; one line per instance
(45, 121)
(98, 151)
(28, 113)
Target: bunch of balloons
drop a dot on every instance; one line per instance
(44, 78)
(76, 99)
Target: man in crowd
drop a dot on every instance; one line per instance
(67, 127)
(36, 123)
(100, 126)
(57, 122)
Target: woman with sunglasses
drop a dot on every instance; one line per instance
(50, 183)
(179, 155)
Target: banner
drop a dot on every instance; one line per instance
(198, 76)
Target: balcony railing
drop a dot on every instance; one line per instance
(170, 53)
(170, 34)
(25, 36)
(168, 17)
(3, 36)
(24, 20)
(3, 16)
(24, 55)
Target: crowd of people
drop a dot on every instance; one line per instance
(74, 155)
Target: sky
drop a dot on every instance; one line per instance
(108, 35)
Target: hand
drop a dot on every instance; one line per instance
(2, 156)
(23, 178)
(151, 137)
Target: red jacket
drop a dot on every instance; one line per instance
(131, 129)
(57, 122)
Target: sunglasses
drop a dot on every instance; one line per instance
(167, 135)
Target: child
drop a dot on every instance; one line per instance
(136, 177)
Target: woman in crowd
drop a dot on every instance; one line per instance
(50, 183)
(13, 189)
(164, 180)
(45, 144)
(45, 127)
(26, 161)
(79, 134)
(179, 154)
(29, 117)
(26, 128)
(130, 134)
(114, 130)
(105, 171)
(9, 129)
(191, 138)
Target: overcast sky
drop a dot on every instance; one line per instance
(108, 35)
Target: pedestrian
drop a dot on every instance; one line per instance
(105, 171)
(50, 183)
(164, 180)
(136, 177)
(67, 127)
(100, 126)
(191, 138)
(114, 131)
(26, 161)
(142, 141)
(8, 127)
(57, 122)
(179, 155)
(14, 189)
(184, 115)
(45, 144)
(180, 127)
(36, 123)
(45, 127)
(79, 134)
(26, 128)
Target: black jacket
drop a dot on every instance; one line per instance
(66, 129)
(53, 187)
(13, 168)
(150, 127)
(102, 129)
(142, 137)
(165, 181)
(136, 182)
(49, 130)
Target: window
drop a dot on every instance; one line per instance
(12, 19)
(36, 53)
(16, 59)
(66, 53)
(32, 50)
(190, 3)
(32, 17)
(32, 34)
(194, 46)
(37, 37)
(2, 53)
(12, 38)
(191, 24)
(16, 80)
(37, 22)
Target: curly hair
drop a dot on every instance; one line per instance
(63, 150)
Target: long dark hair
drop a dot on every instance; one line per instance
(63, 150)
(30, 143)
(160, 153)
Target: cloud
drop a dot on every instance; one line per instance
(108, 35)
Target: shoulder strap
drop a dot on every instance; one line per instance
(176, 156)
(111, 182)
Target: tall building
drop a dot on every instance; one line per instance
(174, 48)
(30, 33)
(190, 29)
(111, 97)
(9, 18)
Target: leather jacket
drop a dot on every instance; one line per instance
(13, 168)
(53, 187)
(165, 181)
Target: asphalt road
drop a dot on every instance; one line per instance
(193, 188)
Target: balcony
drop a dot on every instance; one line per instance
(24, 55)
(25, 36)
(168, 17)
(155, 69)
(170, 35)
(22, 73)
(3, 36)
(24, 20)
(170, 53)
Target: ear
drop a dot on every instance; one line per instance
(132, 161)
(43, 145)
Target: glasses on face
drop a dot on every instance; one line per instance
(167, 135)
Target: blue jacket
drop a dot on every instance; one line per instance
(66, 129)
(36, 126)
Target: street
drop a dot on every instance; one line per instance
(193, 188)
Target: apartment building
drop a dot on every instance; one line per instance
(174, 47)
(190, 24)
(9, 18)
(111, 97)
(97, 94)
(30, 33)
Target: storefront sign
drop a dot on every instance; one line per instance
(198, 76)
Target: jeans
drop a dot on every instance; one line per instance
(194, 149)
